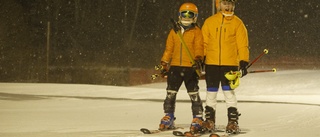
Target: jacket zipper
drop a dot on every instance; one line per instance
(180, 54)
(217, 30)
(220, 40)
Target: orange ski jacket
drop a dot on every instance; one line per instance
(176, 55)
(225, 41)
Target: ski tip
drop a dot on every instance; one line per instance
(145, 131)
(178, 133)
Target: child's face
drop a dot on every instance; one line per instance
(227, 6)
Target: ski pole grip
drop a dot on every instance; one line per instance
(176, 26)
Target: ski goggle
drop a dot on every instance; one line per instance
(187, 14)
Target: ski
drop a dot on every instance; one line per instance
(224, 135)
(154, 131)
(189, 134)
(217, 135)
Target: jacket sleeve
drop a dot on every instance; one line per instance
(167, 55)
(242, 42)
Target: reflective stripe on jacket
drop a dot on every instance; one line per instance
(175, 52)
(225, 41)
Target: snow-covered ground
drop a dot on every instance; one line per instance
(281, 104)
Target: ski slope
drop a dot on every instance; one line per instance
(281, 104)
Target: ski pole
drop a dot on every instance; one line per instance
(259, 71)
(154, 76)
(265, 51)
(162, 71)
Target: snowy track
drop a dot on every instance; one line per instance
(283, 104)
(72, 117)
(8, 96)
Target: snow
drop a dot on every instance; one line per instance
(281, 104)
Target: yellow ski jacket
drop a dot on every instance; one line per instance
(175, 52)
(225, 41)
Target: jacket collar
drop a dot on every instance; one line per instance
(224, 17)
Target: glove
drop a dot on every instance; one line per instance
(164, 69)
(197, 63)
(243, 67)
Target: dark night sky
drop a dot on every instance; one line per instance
(132, 33)
(288, 26)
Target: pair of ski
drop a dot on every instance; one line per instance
(215, 133)
(184, 134)
(155, 131)
(189, 134)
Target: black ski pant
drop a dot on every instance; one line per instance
(176, 76)
(215, 76)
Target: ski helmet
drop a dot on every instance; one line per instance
(188, 13)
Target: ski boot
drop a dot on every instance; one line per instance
(210, 115)
(167, 122)
(233, 116)
(196, 125)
